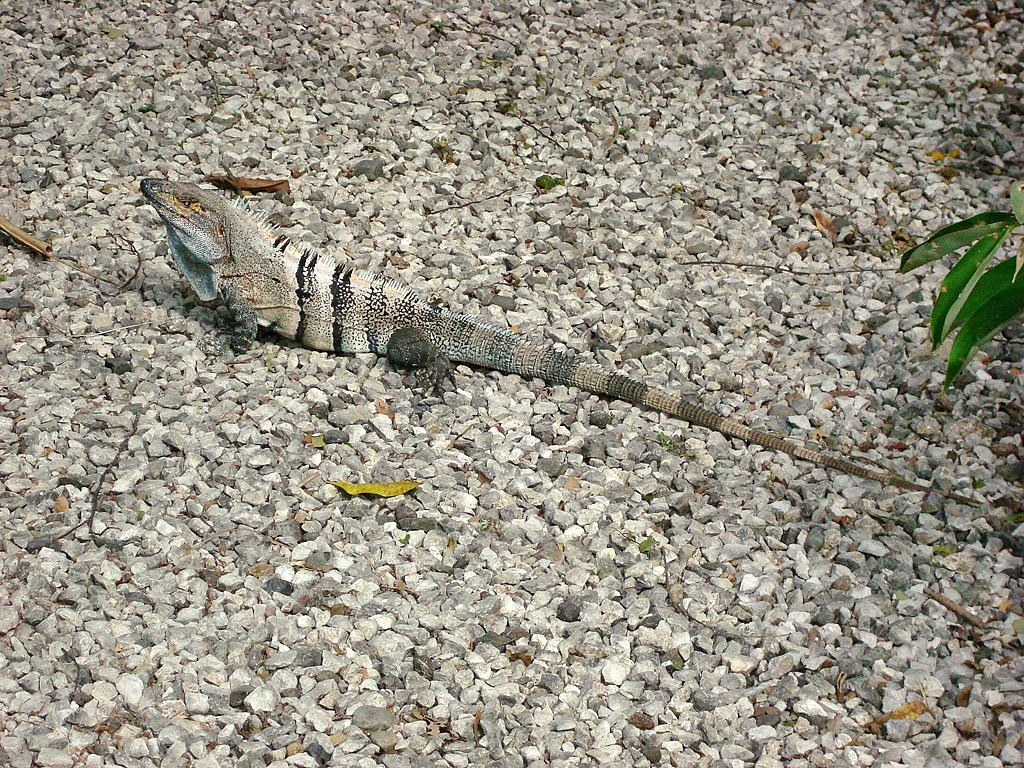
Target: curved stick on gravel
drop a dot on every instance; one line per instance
(103, 477)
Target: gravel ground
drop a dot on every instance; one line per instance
(576, 582)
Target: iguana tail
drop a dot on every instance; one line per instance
(468, 340)
(599, 381)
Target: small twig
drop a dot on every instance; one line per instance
(782, 267)
(611, 139)
(432, 212)
(104, 333)
(458, 437)
(103, 476)
(866, 105)
(949, 605)
(89, 335)
(125, 242)
(213, 79)
(42, 248)
(542, 131)
(524, 120)
(991, 19)
(23, 238)
(473, 27)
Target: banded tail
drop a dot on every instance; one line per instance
(483, 344)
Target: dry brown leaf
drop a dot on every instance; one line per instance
(999, 741)
(641, 720)
(24, 239)
(522, 656)
(572, 484)
(61, 504)
(244, 184)
(382, 407)
(963, 696)
(825, 224)
(476, 723)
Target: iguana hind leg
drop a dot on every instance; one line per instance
(411, 349)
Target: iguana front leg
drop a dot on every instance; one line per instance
(410, 348)
(244, 332)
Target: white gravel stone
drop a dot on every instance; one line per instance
(103, 691)
(262, 699)
(8, 618)
(615, 671)
(131, 689)
(749, 583)
(873, 548)
(54, 758)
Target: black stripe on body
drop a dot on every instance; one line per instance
(281, 242)
(376, 314)
(303, 275)
(341, 303)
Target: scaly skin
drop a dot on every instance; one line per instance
(231, 253)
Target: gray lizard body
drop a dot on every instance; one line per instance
(228, 252)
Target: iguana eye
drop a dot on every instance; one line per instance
(196, 206)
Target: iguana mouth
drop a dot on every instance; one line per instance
(151, 188)
(154, 191)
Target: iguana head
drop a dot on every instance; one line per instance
(197, 230)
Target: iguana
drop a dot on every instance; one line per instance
(232, 253)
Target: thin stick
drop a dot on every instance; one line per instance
(103, 333)
(458, 437)
(949, 605)
(23, 238)
(103, 476)
(126, 243)
(432, 212)
(90, 335)
(781, 267)
(542, 131)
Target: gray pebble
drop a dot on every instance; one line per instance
(791, 173)
(372, 168)
(370, 718)
(568, 610)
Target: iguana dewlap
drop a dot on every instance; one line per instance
(228, 252)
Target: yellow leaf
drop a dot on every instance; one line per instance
(376, 489)
(909, 711)
(937, 155)
(314, 440)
